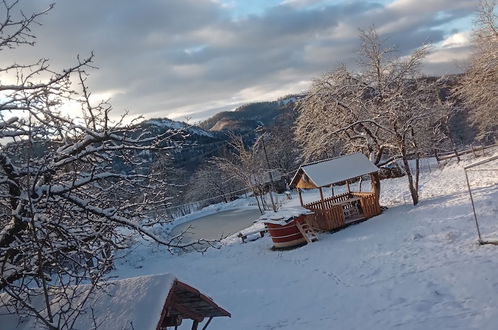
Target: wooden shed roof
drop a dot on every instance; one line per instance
(144, 302)
(190, 303)
(330, 171)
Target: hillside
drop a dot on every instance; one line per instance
(248, 117)
(409, 268)
(197, 143)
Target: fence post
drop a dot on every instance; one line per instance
(437, 158)
(473, 206)
(457, 155)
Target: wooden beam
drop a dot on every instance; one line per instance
(347, 185)
(195, 324)
(209, 321)
(187, 313)
(300, 196)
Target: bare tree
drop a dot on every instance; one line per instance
(479, 86)
(387, 110)
(283, 151)
(246, 164)
(212, 185)
(69, 184)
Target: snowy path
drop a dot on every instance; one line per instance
(217, 225)
(409, 268)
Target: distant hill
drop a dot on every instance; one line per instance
(197, 142)
(247, 118)
(163, 124)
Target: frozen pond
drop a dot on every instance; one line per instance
(215, 226)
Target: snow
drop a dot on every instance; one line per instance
(283, 216)
(287, 100)
(132, 303)
(338, 169)
(412, 267)
(167, 123)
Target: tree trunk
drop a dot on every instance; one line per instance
(417, 172)
(257, 201)
(375, 182)
(411, 183)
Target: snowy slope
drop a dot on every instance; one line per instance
(177, 125)
(409, 268)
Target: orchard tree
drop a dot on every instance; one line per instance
(284, 153)
(210, 184)
(64, 202)
(479, 86)
(246, 164)
(387, 110)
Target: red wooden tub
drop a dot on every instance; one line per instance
(282, 227)
(285, 235)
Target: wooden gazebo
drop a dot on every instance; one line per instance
(336, 211)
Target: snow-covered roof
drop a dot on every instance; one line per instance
(335, 170)
(283, 216)
(124, 304)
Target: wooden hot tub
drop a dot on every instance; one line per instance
(285, 235)
(283, 227)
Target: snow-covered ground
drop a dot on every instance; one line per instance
(409, 268)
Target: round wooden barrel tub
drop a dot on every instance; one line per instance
(284, 236)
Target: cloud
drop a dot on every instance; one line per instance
(177, 57)
(460, 39)
(451, 55)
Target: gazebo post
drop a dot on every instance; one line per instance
(375, 181)
(209, 321)
(332, 188)
(300, 196)
(347, 185)
(321, 197)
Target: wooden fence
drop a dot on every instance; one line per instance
(477, 151)
(369, 204)
(330, 214)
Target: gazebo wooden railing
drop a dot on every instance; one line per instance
(338, 211)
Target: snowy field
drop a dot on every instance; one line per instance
(409, 268)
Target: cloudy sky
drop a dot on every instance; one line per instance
(177, 58)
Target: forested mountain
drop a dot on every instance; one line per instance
(209, 138)
(246, 118)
